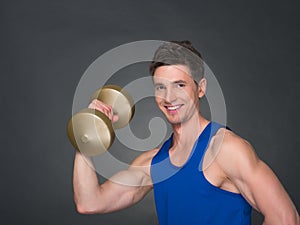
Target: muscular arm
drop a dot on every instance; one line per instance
(256, 182)
(122, 190)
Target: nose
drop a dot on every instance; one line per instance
(170, 95)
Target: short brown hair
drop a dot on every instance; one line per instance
(179, 53)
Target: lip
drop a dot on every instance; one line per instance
(173, 108)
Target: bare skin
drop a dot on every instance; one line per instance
(230, 162)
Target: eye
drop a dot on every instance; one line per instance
(159, 87)
(181, 85)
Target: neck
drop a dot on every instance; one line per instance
(186, 133)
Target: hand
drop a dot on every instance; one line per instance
(104, 108)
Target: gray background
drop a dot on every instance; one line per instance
(251, 46)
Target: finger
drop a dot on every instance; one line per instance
(102, 107)
(115, 118)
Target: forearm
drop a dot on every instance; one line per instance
(85, 183)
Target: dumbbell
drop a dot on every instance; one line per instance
(91, 131)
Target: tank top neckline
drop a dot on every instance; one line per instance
(192, 154)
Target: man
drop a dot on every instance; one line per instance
(203, 174)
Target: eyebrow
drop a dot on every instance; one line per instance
(179, 82)
(158, 84)
(173, 82)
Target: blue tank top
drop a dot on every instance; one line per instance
(183, 196)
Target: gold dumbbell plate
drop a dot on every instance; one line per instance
(91, 131)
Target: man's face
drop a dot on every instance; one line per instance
(176, 93)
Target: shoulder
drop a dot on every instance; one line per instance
(143, 161)
(145, 158)
(235, 154)
(231, 144)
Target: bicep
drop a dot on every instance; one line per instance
(123, 190)
(130, 186)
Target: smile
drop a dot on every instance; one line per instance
(173, 107)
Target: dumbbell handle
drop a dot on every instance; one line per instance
(119, 100)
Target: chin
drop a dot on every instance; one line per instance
(174, 121)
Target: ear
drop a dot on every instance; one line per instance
(201, 87)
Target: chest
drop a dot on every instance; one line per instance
(208, 166)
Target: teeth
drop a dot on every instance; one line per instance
(173, 107)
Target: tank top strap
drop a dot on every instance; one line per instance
(163, 151)
(202, 143)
